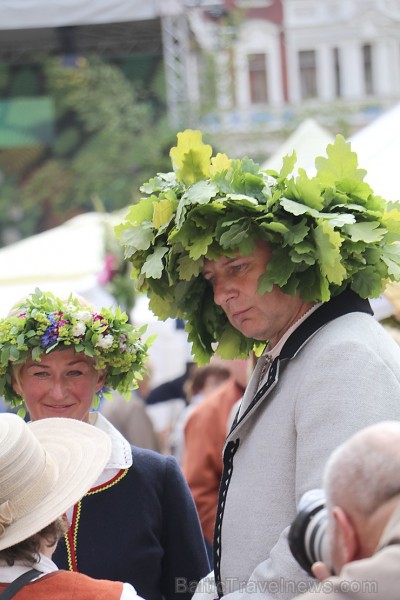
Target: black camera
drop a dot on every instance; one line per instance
(307, 535)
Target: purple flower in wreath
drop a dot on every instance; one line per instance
(50, 336)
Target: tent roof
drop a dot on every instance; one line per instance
(64, 259)
(378, 149)
(29, 14)
(308, 140)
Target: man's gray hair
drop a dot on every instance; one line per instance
(364, 471)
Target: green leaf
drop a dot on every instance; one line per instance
(229, 345)
(236, 234)
(142, 211)
(279, 269)
(367, 282)
(288, 165)
(354, 188)
(164, 210)
(296, 233)
(391, 257)
(153, 266)
(275, 226)
(296, 208)
(340, 219)
(189, 268)
(328, 244)
(368, 232)
(136, 238)
(36, 352)
(220, 164)
(242, 199)
(200, 245)
(5, 355)
(14, 352)
(200, 192)
(191, 157)
(341, 163)
(162, 306)
(308, 191)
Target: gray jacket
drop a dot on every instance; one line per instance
(343, 375)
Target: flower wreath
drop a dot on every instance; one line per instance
(43, 322)
(326, 232)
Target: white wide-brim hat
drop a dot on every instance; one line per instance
(45, 467)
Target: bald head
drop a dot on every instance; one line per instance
(364, 472)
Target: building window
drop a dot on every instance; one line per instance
(336, 69)
(258, 78)
(308, 74)
(368, 69)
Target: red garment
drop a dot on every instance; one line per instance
(65, 585)
(205, 433)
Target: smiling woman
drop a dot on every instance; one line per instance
(56, 358)
(63, 384)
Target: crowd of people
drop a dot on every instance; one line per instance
(272, 272)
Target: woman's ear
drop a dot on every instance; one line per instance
(16, 385)
(101, 379)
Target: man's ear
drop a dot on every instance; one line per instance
(348, 539)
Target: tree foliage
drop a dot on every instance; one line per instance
(107, 141)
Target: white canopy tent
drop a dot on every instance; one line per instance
(64, 259)
(378, 149)
(31, 14)
(309, 140)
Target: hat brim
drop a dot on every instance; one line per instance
(81, 452)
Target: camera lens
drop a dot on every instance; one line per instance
(307, 537)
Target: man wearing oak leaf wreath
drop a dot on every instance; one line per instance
(283, 264)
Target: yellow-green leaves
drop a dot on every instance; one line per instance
(190, 157)
(164, 210)
(328, 242)
(341, 163)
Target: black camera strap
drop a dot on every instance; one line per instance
(19, 583)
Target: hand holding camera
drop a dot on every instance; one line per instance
(307, 535)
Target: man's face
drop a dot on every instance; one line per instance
(235, 282)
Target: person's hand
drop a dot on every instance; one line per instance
(320, 571)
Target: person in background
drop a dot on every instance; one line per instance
(45, 467)
(130, 417)
(165, 404)
(362, 490)
(201, 382)
(57, 356)
(283, 264)
(205, 432)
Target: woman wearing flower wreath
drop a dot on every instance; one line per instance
(138, 523)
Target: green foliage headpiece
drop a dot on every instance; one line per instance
(326, 232)
(43, 322)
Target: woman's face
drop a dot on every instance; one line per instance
(62, 384)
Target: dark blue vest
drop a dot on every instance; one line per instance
(143, 529)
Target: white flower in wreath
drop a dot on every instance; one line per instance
(105, 342)
(83, 315)
(79, 329)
